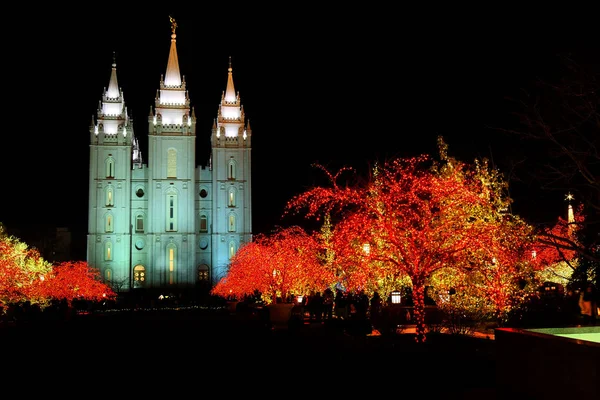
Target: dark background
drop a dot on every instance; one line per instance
(341, 87)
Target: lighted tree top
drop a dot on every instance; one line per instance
(417, 216)
(21, 267)
(277, 264)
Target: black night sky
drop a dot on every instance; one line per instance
(338, 88)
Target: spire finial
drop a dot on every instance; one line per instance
(229, 69)
(569, 197)
(114, 64)
(173, 24)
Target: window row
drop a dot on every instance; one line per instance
(140, 274)
(109, 166)
(110, 198)
(171, 225)
(171, 253)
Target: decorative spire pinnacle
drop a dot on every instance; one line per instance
(230, 96)
(113, 84)
(172, 76)
(173, 24)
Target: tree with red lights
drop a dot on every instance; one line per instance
(75, 280)
(21, 268)
(491, 293)
(26, 277)
(417, 216)
(555, 252)
(284, 262)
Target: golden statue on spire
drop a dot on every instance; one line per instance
(173, 24)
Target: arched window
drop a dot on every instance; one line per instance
(203, 223)
(231, 170)
(108, 255)
(231, 227)
(109, 225)
(172, 163)
(108, 275)
(110, 167)
(171, 263)
(139, 275)
(231, 249)
(110, 200)
(139, 223)
(231, 197)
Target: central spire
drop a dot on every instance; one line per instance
(173, 77)
(113, 86)
(230, 95)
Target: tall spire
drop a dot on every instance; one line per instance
(113, 85)
(173, 77)
(230, 96)
(230, 119)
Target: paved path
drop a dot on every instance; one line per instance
(244, 356)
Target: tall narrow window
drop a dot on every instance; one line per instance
(231, 170)
(231, 249)
(109, 197)
(108, 223)
(108, 275)
(172, 163)
(139, 223)
(108, 256)
(203, 223)
(231, 197)
(231, 223)
(171, 263)
(171, 213)
(110, 167)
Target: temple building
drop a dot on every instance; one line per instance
(166, 223)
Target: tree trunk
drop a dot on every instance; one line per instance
(419, 308)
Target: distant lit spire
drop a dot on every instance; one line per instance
(570, 213)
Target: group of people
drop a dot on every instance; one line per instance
(350, 305)
(588, 304)
(343, 305)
